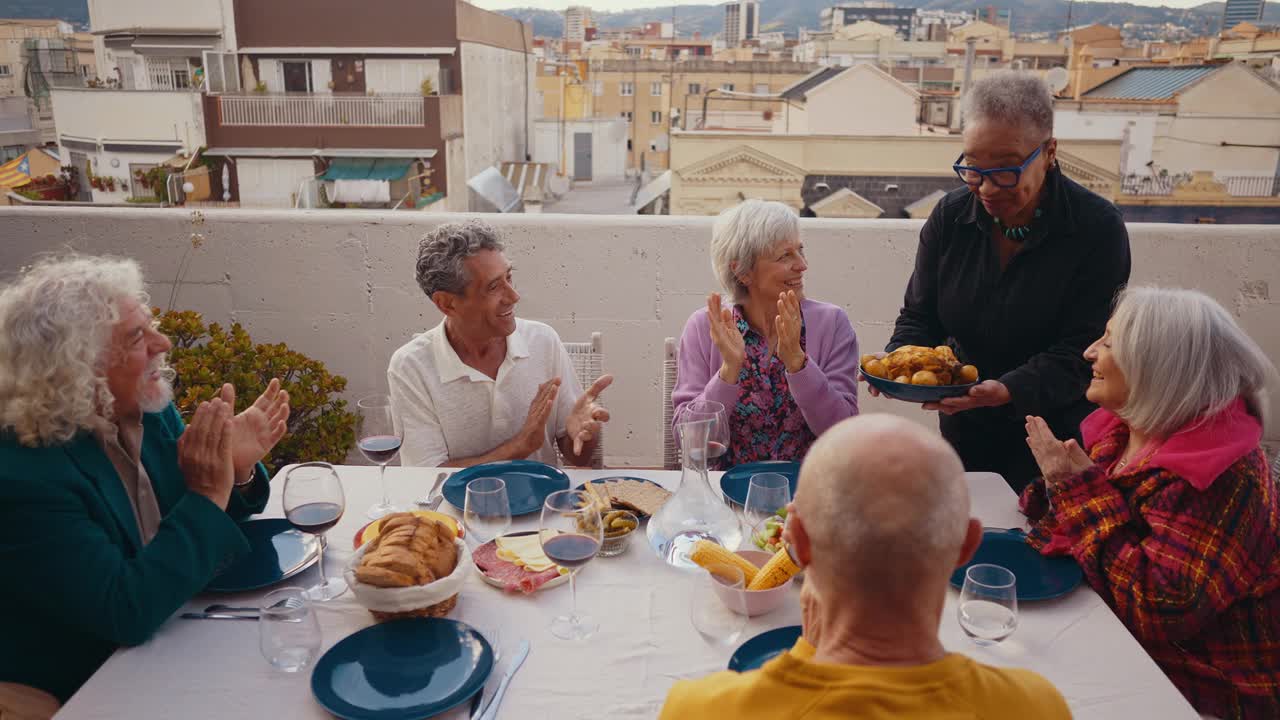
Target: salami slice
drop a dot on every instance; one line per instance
(513, 577)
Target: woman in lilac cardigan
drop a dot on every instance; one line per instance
(784, 367)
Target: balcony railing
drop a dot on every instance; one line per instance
(322, 110)
(1242, 186)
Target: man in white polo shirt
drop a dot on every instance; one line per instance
(484, 385)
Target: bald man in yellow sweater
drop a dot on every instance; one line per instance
(879, 522)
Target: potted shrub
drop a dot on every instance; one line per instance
(427, 87)
(204, 357)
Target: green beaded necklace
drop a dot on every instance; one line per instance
(1017, 233)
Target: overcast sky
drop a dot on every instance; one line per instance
(631, 4)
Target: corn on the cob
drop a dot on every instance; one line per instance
(777, 571)
(707, 553)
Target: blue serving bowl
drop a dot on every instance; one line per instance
(916, 393)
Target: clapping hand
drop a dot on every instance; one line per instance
(256, 430)
(588, 415)
(1058, 460)
(534, 432)
(787, 325)
(727, 339)
(204, 452)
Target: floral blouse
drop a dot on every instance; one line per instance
(766, 423)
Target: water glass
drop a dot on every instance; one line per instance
(718, 608)
(486, 511)
(766, 495)
(988, 609)
(289, 634)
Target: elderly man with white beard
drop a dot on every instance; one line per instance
(113, 513)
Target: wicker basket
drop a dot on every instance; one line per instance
(436, 599)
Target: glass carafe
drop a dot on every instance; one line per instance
(695, 512)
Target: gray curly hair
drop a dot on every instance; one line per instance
(56, 323)
(442, 254)
(1011, 97)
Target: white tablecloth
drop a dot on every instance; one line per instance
(213, 669)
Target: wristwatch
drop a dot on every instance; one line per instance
(252, 476)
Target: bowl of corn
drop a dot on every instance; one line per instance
(766, 577)
(618, 527)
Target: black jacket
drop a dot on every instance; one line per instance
(1028, 325)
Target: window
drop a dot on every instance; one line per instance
(655, 88)
(762, 88)
(297, 76)
(727, 87)
(627, 115)
(695, 88)
(627, 89)
(628, 144)
(86, 71)
(168, 73)
(635, 51)
(5, 71)
(597, 87)
(655, 117)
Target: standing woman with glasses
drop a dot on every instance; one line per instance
(1017, 272)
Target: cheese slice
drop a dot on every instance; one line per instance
(525, 551)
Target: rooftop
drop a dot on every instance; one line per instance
(1151, 83)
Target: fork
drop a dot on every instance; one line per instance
(289, 602)
(434, 498)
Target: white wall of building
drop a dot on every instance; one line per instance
(159, 14)
(122, 115)
(272, 182)
(862, 100)
(338, 285)
(400, 76)
(497, 94)
(1137, 128)
(554, 142)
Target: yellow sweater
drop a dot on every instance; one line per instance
(793, 686)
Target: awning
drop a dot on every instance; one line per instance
(366, 169)
(283, 152)
(654, 190)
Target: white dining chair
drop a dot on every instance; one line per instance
(670, 455)
(588, 364)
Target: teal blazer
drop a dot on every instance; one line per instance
(78, 581)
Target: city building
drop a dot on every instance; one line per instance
(391, 104)
(867, 41)
(1240, 11)
(998, 16)
(833, 101)
(576, 21)
(741, 22)
(35, 56)
(901, 19)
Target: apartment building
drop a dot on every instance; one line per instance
(741, 22)
(901, 19)
(652, 97)
(35, 55)
(576, 21)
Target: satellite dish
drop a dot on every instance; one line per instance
(1057, 79)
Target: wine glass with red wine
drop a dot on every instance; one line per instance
(717, 435)
(571, 533)
(380, 443)
(313, 502)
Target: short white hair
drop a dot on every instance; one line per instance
(1014, 98)
(742, 234)
(885, 505)
(56, 323)
(1183, 356)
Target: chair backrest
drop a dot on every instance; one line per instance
(588, 364)
(670, 455)
(1275, 465)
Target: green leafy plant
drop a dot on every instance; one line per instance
(320, 426)
(427, 88)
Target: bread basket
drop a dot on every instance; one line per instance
(435, 599)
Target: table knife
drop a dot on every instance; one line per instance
(215, 616)
(491, 710)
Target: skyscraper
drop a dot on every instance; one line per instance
(1238, 11)
(741, 22)
(576, 21)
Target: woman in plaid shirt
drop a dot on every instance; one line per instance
(1169, 508)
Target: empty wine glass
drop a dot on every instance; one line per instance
(486, 511)
(313, 502)
(571, 532)
(766, 495)
(288, 633)
(718, 607)
(717, 435)
(988, 609)
(380, 443)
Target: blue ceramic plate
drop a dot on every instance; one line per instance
(402, 670)
(1038, 577)
(763, 648)
(276, 552)
(916, 393)
(737, 480)
(639, 514)
(528, 483)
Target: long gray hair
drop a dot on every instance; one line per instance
(1184, 356)
(56, 323)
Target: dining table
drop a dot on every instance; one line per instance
(213, 669)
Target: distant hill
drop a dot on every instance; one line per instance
(791, 15)
(73, 11)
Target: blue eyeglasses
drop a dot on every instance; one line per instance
(1005, 177)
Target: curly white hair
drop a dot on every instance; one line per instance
(56, 322)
